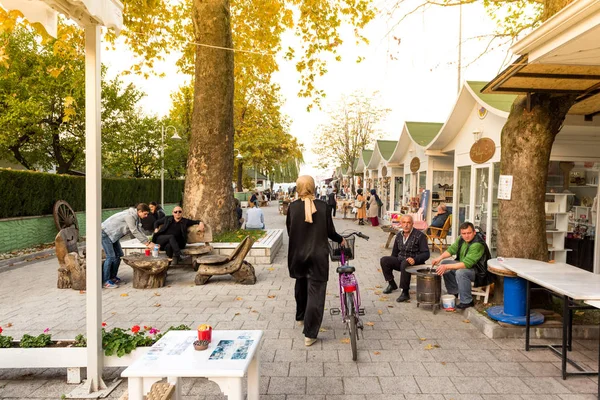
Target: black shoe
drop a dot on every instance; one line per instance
(463, 306)
(390, 287)
(403, 297)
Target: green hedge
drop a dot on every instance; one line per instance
(27, 193)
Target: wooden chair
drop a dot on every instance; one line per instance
(233, 264)
(437, 236)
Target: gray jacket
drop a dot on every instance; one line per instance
(124, 223)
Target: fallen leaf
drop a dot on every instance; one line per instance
(345, 340)
(271, 296)
(322, 330)
(239, 298)
(9, 325)
(579, 313)
(254, 311)
(377, 292)
(443, 363)
(157, 305)
(378, 270)
(124, 295)
(379, 312)
(114, 313)
(466, 321)
(383, 298)
(376, 353)
(390, 306)
(437, 346)
(270, 269)
(422, 339)
(156, 294)
(428, 347)
(237, 313)
(377, 286)
(369, 323)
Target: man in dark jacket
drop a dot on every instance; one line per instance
(309, 225)
(171, 233)
(410, 248)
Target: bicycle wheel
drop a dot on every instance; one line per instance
(349, 300)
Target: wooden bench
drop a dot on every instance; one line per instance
(234, 264)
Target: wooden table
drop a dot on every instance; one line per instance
(230, 356)
(566, 282)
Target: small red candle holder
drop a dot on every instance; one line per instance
(205, 334)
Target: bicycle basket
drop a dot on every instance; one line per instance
(335, 251)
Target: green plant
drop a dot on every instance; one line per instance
(120, 342)
(80, 341)
(5, 341)
(41, 340)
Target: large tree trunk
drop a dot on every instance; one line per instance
(527, 139)
(208, 191)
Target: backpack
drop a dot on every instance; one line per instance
(331, 199)
(482, 276)
(379, 202)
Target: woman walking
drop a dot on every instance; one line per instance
(361, 214)
(373, 210)
(309, 225)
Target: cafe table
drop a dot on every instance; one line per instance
(230, 356)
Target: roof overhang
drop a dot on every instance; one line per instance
(561, 56)
(108, 13)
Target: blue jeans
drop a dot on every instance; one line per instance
(113, 252)
(459, 281)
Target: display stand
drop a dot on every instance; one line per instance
(557, 225)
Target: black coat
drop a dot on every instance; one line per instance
(308, 251)
(165, 222)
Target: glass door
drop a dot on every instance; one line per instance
(398, 193)
(464, 195)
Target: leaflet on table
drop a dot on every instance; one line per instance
(231, 350)
(169, 347)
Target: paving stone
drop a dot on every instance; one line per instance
(290, 385)
(509, 385)
(472, 385)
(306, 369)
(274, 368)
(348, 369)
(361, 385)
(374, 369)
(324, 385)
(545, 385)
(436, 384)
(404, 384)
(541, 369)
(509, 369)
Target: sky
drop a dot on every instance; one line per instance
(413, 67)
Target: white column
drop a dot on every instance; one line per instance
(162, 166)
(93, 208)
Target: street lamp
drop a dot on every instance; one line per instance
(239, 155)
(162, 157)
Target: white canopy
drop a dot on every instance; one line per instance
(108, 13)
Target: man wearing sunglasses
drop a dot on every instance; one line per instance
(170, 233)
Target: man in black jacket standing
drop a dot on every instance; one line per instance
(172, 235)
(410, 248)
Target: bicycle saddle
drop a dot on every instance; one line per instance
(345, 270)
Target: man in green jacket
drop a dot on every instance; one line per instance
(470, 250)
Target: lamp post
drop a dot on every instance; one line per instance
(238, 183)
(162, 157)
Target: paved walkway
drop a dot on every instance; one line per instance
(407, 352)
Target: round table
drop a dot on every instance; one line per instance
(514, 309)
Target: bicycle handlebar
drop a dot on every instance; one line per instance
(355, 233)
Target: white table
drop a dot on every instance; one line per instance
(566, 282)
(230, 355)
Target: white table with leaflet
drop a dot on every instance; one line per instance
(230, 356)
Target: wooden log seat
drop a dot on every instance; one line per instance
(148, 272)
(233, 264)
(71, 265)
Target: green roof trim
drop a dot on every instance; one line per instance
(502, 102)
(423, 132)
(366, 156)
(386, 148)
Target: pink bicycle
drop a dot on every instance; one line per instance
(348, 287)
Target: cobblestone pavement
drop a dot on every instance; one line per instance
(407, 352)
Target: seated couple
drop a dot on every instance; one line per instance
(170, 233)
(410, 248)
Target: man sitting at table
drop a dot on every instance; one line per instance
(470, 265)
(171, 233)
(410, 248)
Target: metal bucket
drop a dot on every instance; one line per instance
(429, 287)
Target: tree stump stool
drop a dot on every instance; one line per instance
(148, 272)
(195, 252)
(71, 270)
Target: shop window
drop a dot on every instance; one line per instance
(464, 194)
